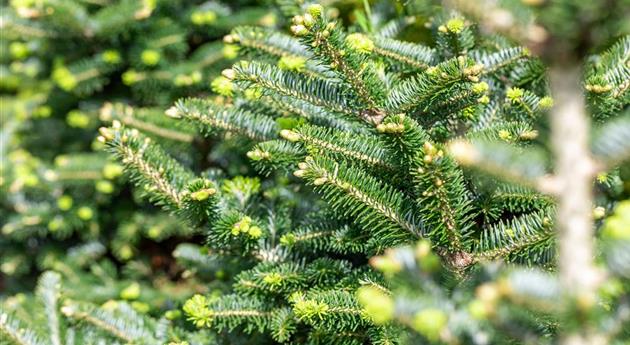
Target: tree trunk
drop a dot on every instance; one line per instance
(574, 173)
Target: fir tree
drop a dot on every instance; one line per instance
(365, 122)
(70, 66)
(361, 188)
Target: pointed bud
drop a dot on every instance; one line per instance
(297, 20)
(505, 135)
(255, 155)
(599, 212)
(172, 112)
(290, 135)
(106, 133)
(308, 20)
(320, 181)
(229, 73)
(202, 194)
(360, 42)
(299, 30)
(529, 135)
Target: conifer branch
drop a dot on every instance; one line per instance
(496, 61)
(344, 146)
(440, 187)
(208, 117)
(276, 154)
(319, 92)
(16, 332)
(414, 55)
(422, 89)
(228, 312)
(379, 208)
(134, 118)
(48, 290)
(404, 135)
(264, 41)
(161, 176)
(325, 237)
(345, 55)
(523, 233)
(117, 326)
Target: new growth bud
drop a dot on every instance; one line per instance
(315, 10)
(202, 194)
(290, 135)
(360, 42)
(228, 73)
(455, 25)
(299, 30)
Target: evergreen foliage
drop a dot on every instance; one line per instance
(354, 187)
(67, 68)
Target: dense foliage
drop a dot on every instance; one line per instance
(383, 182)
(69, 67)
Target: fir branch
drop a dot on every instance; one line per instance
(48, 290)
(325, 237)
(316, 114)
(507, 131)
(209, 117)
(423, 88)
(236, 231)
(499, 60)
(374, 205)
(518, 199)
(415, 56)
(126, 324)
(455, 37)
(142, 120)
(522, 105)
(275, 155)
(332, 310)
(607, 80)
(257, 41)
(283, 325)
(319, 92)
(349, 147)
(229, 312)
(523, 233)
(16, 332)
(271, 278)
(160, 175)
(442, 196)
(347, 56)
(611, 144)
(404, 135)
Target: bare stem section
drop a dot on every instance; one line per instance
(574, 172)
